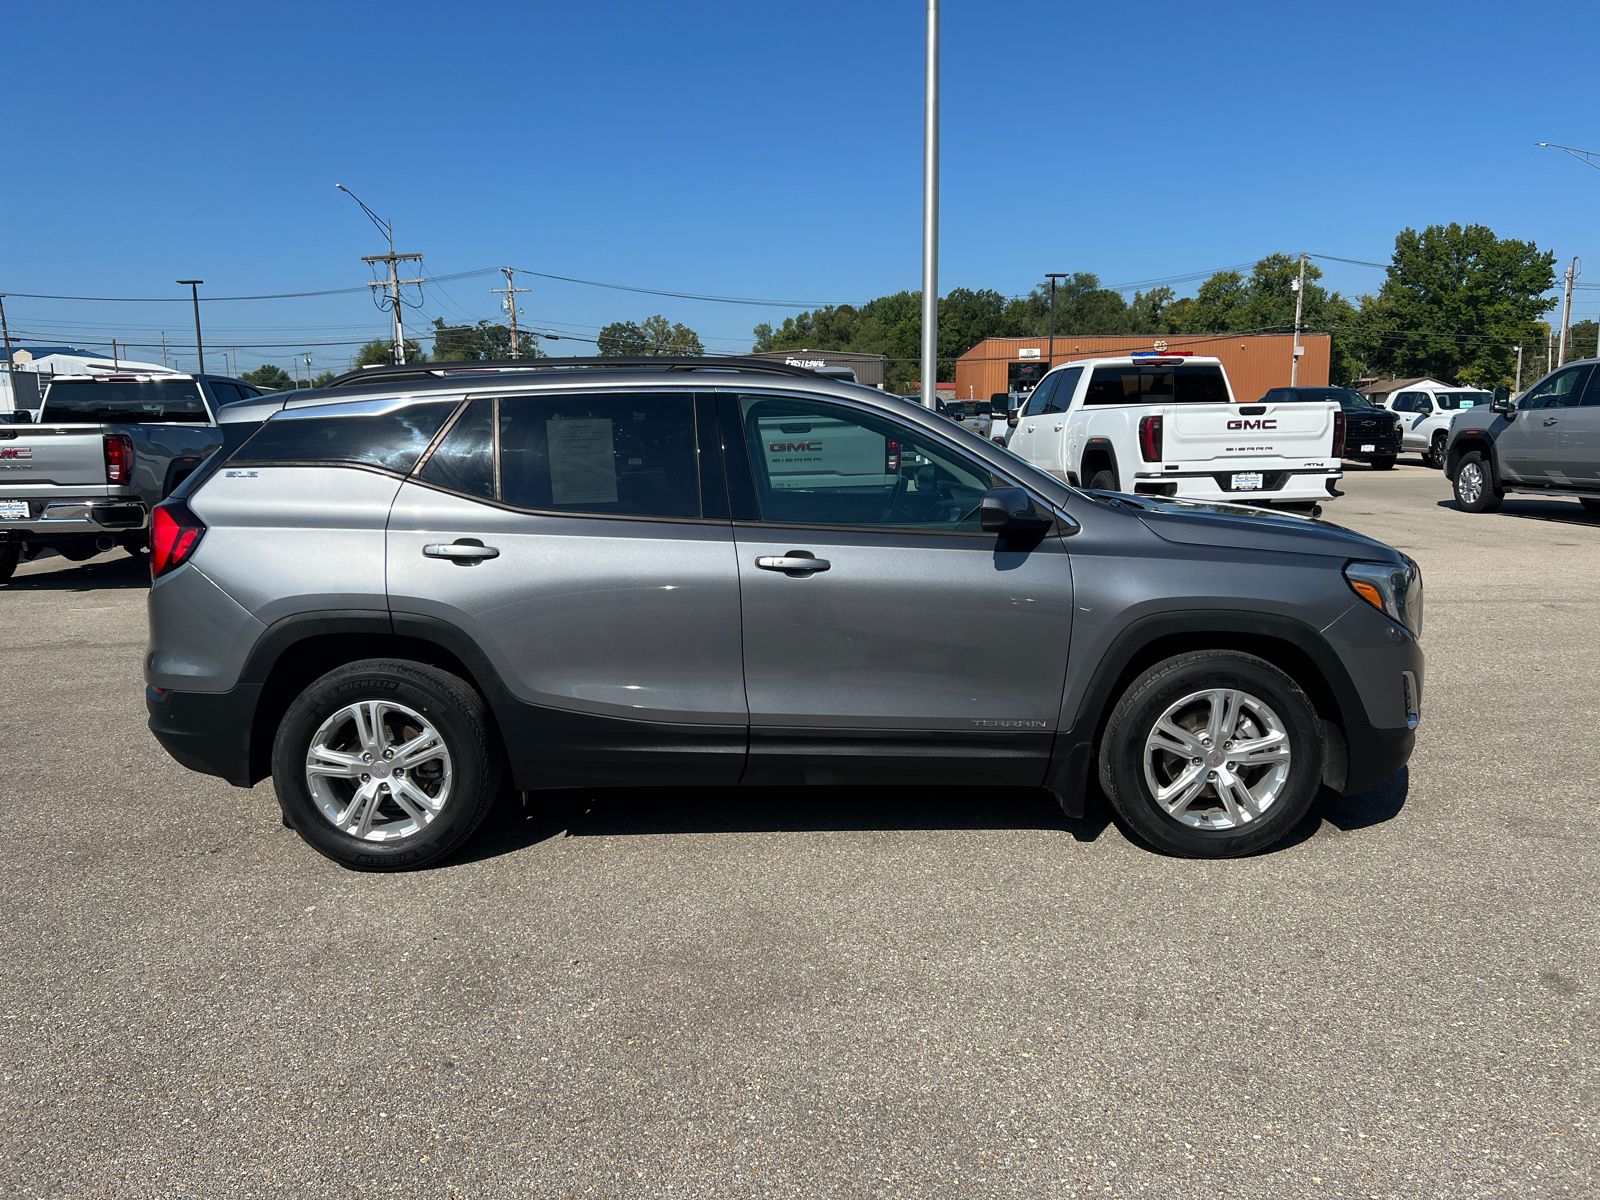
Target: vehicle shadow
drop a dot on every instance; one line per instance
(633, 812)
(1371, 807)
(114, 570)
(1559, 512)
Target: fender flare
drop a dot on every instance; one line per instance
(1093, 445)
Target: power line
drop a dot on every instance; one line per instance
(622, 287)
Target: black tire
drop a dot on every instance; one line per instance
(456, 712)
(1103, 480)
(1480, 495)
(1588, 506)
(1386, 463)
(10, 555)
(1434, 455)
(1122, 764)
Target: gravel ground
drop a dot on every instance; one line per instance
(884, 993)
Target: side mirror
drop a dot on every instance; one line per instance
(1505, 405)
(1010, 511)
(1013, 420)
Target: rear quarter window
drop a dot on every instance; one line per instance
(391, 441)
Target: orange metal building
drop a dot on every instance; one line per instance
(1254, 362)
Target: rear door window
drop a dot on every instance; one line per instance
(103, 402)
(464, 460)
(616, 454)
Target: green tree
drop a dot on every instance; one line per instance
(1456, 302)
(655, 335)
(379, 352)
(269, 376)
(1581, 341)
(485, 340)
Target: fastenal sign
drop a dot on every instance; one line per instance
(812, 363)
(1028, 352)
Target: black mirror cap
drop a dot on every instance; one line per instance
(1010, 510)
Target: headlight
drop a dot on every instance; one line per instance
(1396, 591)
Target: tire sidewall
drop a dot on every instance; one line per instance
(473, 774)
(1122, 752)
(1110, 486)
(1487, 497)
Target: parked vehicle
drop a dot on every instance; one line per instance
(104, 450)
(1371, 434)
(1545, 442)
(396, 592)
(1425, 414)
(1167, 425)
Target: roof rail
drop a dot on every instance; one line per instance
(399, 373)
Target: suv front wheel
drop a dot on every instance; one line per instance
(386, 765)
(1212, 754)
(1474, 485)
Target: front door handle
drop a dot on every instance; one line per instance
(1551, 420)
(465, 551)
(1030, 428)
(1059, 428)
(796, 564)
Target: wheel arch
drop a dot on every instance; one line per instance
(299, 649)
(1292, 646)
(1098, 452)
(1462, 446)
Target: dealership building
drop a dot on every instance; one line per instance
(1254, 362)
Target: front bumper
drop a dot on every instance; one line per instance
(1277, 487)
(59, 518)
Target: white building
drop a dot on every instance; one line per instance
(29, 390)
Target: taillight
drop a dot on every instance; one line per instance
(119, 458)
(174, 533)
(1150, 439)
(1338, 434)
(891, 462)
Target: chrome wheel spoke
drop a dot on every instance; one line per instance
(1175, 739)
(357, 816)
(413, 799)
(334, 764)
(1183, 792)
(1236, 798)
(1270, 749)
(420, 749)
(1207, 789)
(368, 718)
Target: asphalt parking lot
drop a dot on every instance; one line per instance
(822, 994)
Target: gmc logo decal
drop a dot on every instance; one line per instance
(16, 452)
(1269, 423)
(791, 447)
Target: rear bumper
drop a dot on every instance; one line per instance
(1279, 487)
(207, 732)
(57, 518)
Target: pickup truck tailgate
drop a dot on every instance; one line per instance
(1266, 435)
(39, 456)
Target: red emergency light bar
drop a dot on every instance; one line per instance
(1162, 354)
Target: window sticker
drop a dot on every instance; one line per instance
(583, 466)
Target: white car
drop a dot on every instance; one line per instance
(1167, 425)
(1425, 414)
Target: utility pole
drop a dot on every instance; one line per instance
(510, 305)
(394, 283)
(308, 372)
(194, 294)
(113, 354)
(1052, 279)
(5, 332)
(1516, 390)
(1549, 350)
(930, 212)
(1299, 308)
(1566, 312)
(164, 361)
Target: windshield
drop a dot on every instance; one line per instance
(1450, 401)
(1347, 397)
(151, 402)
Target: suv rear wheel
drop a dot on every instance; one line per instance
(1212, 754)
(1474, 485)
(386, 765)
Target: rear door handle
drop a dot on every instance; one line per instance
(466, 551)
(795, 563)
(1551, 420)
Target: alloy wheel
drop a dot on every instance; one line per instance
(378, 771)
(1469, 483)
(1217, 759)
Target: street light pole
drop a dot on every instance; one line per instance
(1518, 389)
(1052, 279)
(1566, 313)
(194, 294)
(930, 212)
(1299, 307)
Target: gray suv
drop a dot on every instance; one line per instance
(401, 593)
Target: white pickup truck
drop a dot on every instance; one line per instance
(1167, 425)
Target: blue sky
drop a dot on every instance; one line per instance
(754, 150)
